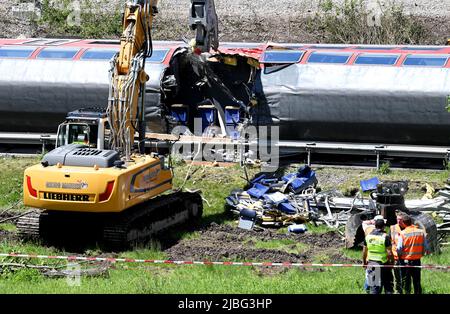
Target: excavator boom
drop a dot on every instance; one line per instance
(127, 75)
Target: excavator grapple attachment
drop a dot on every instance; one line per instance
(204, 21)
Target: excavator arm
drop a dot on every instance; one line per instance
(204, 22)
(127, 75)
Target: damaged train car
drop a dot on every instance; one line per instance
(44, 79)
(342, 93)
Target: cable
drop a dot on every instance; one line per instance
(190, 166)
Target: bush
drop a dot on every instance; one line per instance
(385, 168)
(355, 21)
(62, 18)
(21, 275)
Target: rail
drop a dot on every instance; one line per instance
(158, 140)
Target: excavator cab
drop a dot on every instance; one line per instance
(87, 127)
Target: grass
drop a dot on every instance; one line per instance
(319, 229)
(216, 184)
(8, 227)
(217, 279)
(350, 179)
(287, 245)
(211, 279)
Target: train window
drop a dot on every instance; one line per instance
(105, 42)
(53, 53)
(374, 48)
(429, 61)
(46, 42)
(323, 57)
(98, 54)
(282, 56)
(16, 52)
(57, 42)
(422, 48)
(158, 56)
(373, 59)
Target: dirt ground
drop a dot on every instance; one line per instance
(226, 242)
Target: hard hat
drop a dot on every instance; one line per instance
(379, 217)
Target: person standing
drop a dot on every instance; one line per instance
(411, 247)
(394, 233)
(377, 253)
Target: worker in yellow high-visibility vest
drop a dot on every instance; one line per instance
(377, 254)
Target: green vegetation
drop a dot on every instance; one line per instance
(349, 179)
(350, 21)
(317, 229)
(210, 279)
(8, 227)
(287, 245)
(357, 21)
(385, 168)
(216, 183)
(11, 177)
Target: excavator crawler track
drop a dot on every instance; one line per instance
(28, 225)
(144, 221)
(121, 230)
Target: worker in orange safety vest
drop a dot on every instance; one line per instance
(394, 233)
(411, 246)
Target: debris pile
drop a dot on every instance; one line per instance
(277, 200)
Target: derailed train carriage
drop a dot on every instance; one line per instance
(342, 93)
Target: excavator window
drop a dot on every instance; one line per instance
(83, 134)
(79, 134)
(62, 135)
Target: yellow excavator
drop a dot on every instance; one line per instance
(113, 187)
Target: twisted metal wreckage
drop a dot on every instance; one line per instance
(273, 200)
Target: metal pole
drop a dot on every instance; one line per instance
(378, 160)
(309, 156)
(241, 153)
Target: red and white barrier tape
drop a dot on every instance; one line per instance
(151, 261)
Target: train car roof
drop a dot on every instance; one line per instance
(266, 53)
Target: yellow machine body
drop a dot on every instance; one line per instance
(93, 189)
